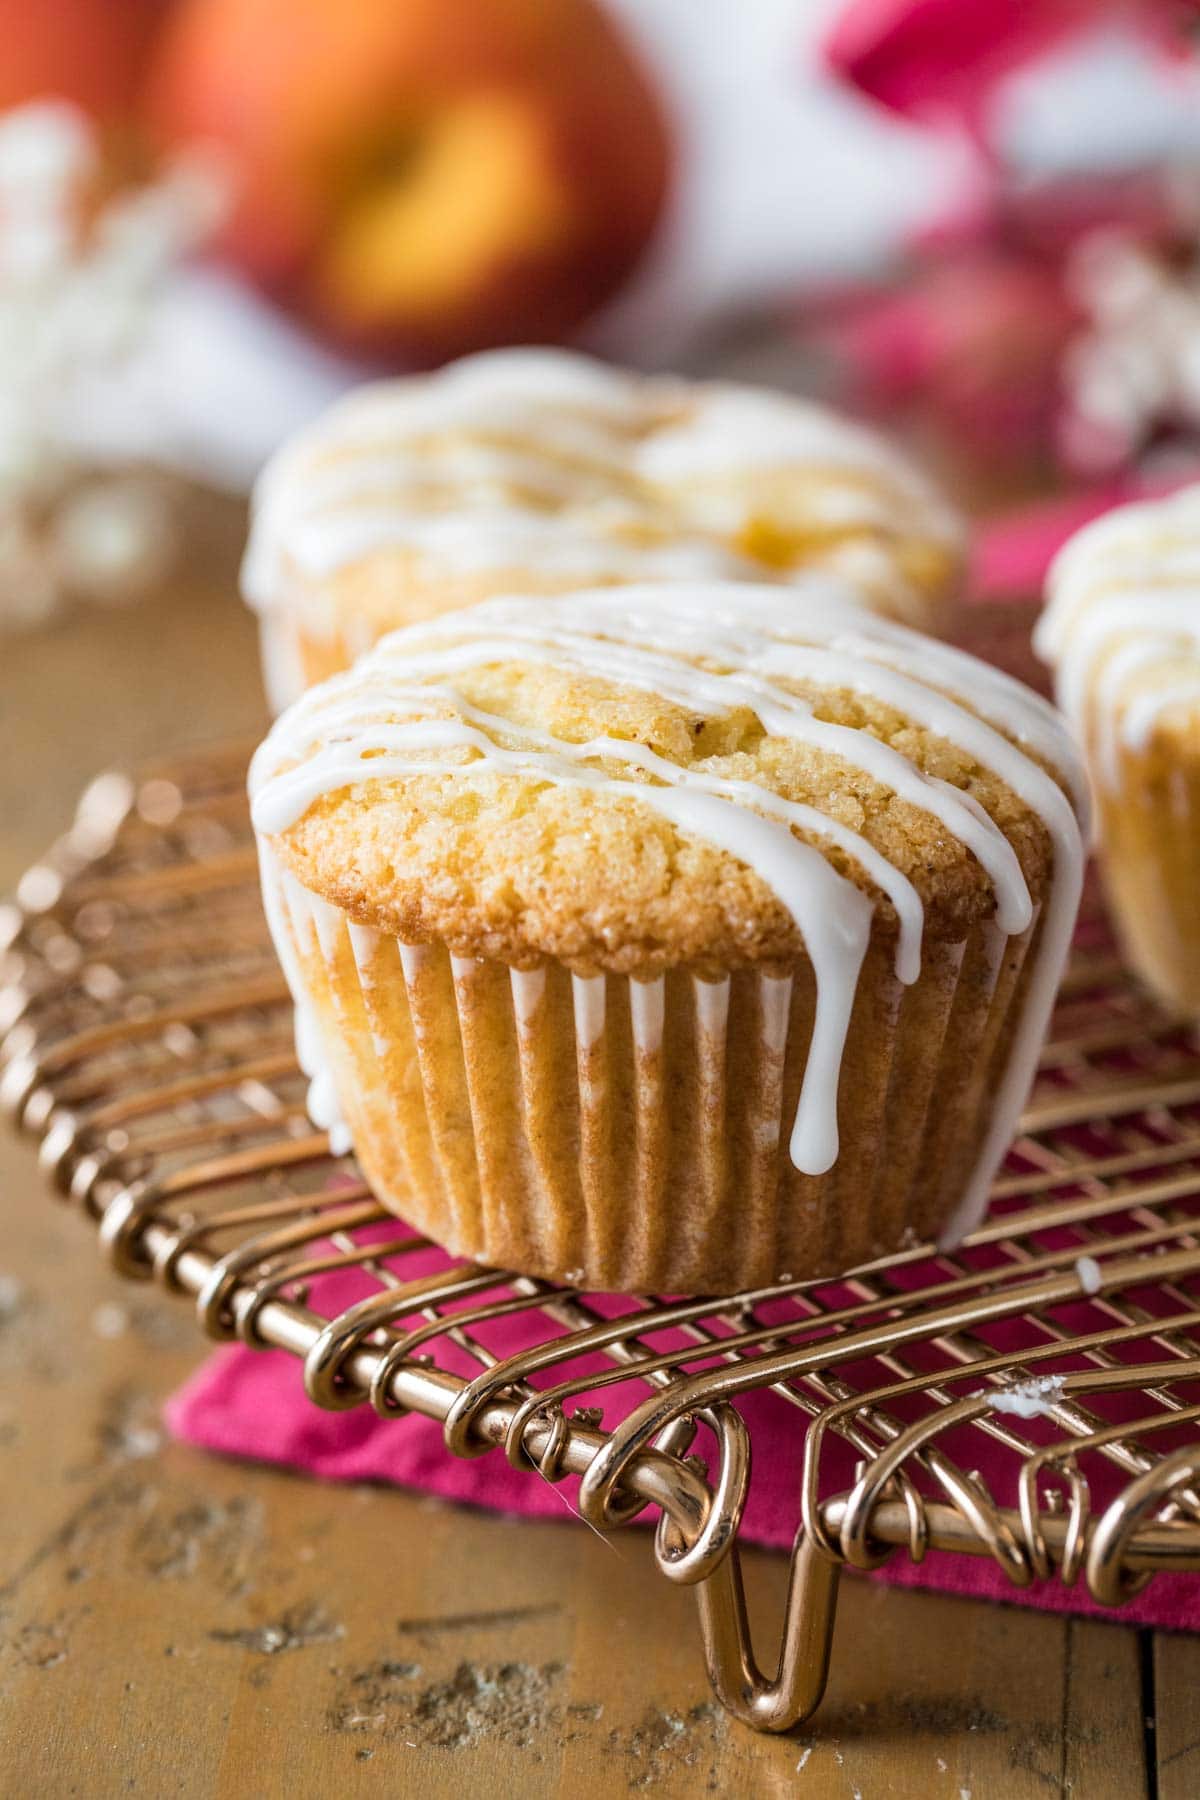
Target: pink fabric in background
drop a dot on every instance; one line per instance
(942, 60)
(1012, 552)
(1010, 555)
(249, 1403)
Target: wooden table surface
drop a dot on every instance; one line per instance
(171, 1624)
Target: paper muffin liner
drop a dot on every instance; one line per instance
(633, 1135)
(295, 657)
(1150, 833)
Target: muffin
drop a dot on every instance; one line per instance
(673, 938)
(539, 471)
(1122, 630)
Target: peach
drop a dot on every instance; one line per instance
(92, 52)
(421, 177)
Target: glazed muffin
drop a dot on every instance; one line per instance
(1122, 629)
(672, 938)
(539, 472)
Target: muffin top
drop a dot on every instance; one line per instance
(547, 468)
(519, 779)
(1122, 629)
(635, 779)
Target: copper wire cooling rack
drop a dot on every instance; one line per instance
(147, 1043)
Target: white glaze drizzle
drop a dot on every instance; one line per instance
(1122, 611)
(1091, 1275)
(1034, 1398)
(375, 724)
(549, 459)
(730, 429)
(510, 539)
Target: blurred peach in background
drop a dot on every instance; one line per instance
(421, 179)
(93, 53)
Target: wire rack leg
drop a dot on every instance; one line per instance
(799, 1681)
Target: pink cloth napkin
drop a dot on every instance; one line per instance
(250, 1403)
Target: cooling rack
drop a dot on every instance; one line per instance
(147, 1044)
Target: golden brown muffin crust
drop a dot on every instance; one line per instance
(501, 866)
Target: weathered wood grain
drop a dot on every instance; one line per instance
(1176, 1702)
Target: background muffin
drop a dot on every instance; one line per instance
(1122, 628)
(679, 938)
(539, 471)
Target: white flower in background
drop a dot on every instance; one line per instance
(1134, 371)
(82, 273)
